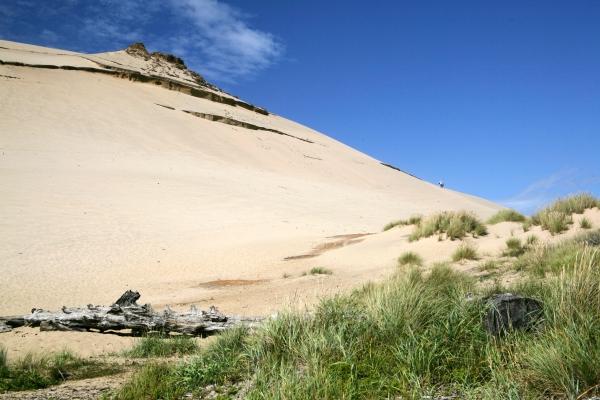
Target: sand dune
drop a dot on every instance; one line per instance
(107, 184)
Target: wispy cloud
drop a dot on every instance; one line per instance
(545, 190)
(214, 38)
(232, 49)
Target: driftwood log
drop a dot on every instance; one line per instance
(126, 314)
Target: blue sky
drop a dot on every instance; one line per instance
(498, 99)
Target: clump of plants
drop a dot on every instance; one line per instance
(454, 225)
(163, 346)
(557, 217)
(410, 258)
(413, 220)
(318, 271)
(34, 371)
(585, 223)
(465, 251)
(514, 247)
(507, 215)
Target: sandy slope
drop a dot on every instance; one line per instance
(103, 189)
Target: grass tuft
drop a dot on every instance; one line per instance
(514, 247)
(319, 271)
(455, 225)
(410, 258)
(585, 223)
(465, 251)
(163, 346)
(506, 215)
(554, 221)
(415, 219)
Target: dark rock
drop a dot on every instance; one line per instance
(508, 311)
(138, 50)
(591, 238)
(170, 58)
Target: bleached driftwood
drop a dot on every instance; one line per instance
(126, 314)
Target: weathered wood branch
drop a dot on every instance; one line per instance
(126, 314)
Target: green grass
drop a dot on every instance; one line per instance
(152, 381)
(506, 215)
(415, 219)
(585, 223)
(575, 204)
(455, 225)
(410, 258)
(411, 336)
(465, 251)
(557, 217)
(489, 266)
(163, 346)
(531, 240)
(4, 370)
(40, 371)
(319, 271)
(546, 259)
(554, 221)
(514, 247)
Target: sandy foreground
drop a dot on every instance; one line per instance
(108, 185)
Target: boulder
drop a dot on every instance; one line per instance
(508, 311)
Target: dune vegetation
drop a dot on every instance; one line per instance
(454, 225)
(507, 215)
(465, 251)
(416, 334)
(34, 371)
(162, 346)
(410, 258)
(415, 219)
(557, 217)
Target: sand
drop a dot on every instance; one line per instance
(104, 189)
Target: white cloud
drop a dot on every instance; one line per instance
(231, 48)
(211, 36)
